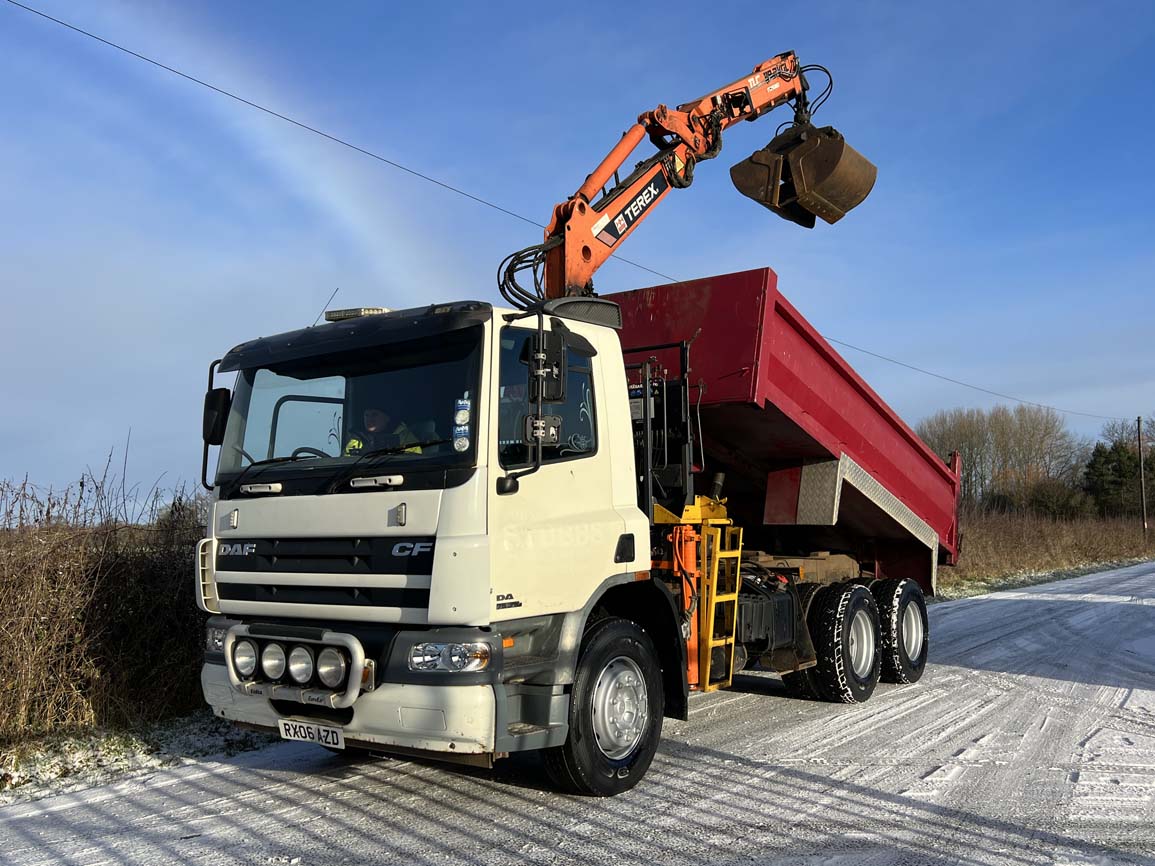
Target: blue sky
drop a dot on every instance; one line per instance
(148, 224)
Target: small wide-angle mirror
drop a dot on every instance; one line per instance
(542, 430)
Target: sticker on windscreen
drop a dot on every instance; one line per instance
(462, 416)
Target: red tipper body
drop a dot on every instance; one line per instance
(810, 451)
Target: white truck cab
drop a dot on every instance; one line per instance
(374, 588)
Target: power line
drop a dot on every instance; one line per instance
(973, 387)
(333, 138)
(271, 112)
(415, 173)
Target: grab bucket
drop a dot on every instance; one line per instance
(806, 172)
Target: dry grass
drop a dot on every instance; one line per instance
(1001, 547)
(98, 624)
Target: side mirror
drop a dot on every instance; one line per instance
(217, 404)
(549, 356)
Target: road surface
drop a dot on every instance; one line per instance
(1030, 740)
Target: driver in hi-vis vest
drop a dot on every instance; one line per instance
(378, 431)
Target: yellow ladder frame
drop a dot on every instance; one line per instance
(718, 611)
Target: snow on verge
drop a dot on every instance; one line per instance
(62, 763)
(952, 590)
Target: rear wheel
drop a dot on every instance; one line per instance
(905, 634)
(615, 715)
(846, 640)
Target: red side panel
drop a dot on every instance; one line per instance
(719, 311)
(752, 347)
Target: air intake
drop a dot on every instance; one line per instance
(594, 311)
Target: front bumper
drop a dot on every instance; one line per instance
(457, 719)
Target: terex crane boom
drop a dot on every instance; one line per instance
(803, 173)
(463, 530)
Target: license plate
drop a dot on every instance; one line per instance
(307, 732)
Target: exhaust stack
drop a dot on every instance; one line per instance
(806, 172)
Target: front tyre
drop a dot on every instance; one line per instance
(615, 714)
(905, 630)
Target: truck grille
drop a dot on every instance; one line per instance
(388, 555)
(345, 595)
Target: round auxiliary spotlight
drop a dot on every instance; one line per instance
(273, 661)
(301, 664)
(331, 667)
(245, 657)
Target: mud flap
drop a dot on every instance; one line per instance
(802, 655)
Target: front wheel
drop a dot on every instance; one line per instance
(615, 714)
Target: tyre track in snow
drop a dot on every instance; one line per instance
(1030, 740)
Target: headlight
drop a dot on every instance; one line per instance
(331, 667)
(245, 657)
(273, 661)
(449, 657)
(301, 664)
(215, 639)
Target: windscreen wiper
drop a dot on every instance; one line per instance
(269, 461)
(380, 452)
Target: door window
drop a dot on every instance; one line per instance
(578, 436)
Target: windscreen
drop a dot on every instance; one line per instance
(410, 403)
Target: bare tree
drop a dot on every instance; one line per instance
(965, 431)
(1010, 457)
(1031, 445)
(1122, 432)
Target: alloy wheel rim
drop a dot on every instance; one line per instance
(912, 631)
(620, 707)
(861, 644)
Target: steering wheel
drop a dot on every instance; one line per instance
(305, 449)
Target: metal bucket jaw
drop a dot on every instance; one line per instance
(806, 172)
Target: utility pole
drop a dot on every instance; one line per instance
(1142, 478)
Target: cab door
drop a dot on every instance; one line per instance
(554, 540)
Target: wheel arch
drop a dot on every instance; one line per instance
(651, 605)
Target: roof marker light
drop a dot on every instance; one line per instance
(354, 313)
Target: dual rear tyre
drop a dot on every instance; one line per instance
(862, 635)
(845, 635)
(904, 636)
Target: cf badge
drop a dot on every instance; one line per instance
(412, 548)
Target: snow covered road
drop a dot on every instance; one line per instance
(1030, 740)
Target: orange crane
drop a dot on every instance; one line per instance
(802, 173)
